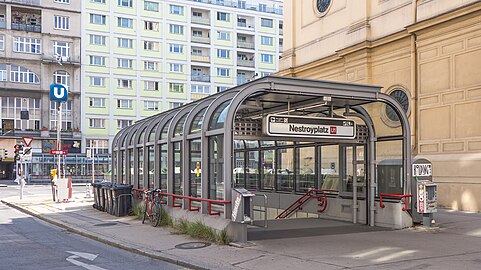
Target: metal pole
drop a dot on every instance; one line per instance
(59, 144)
(93, 166)
(354, 184)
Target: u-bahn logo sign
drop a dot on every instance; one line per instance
(313, 127)
(58, 92)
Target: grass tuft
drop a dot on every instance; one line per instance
(137, 210)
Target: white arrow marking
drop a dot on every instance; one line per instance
(87, 256)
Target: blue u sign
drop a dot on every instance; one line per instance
(58, 92)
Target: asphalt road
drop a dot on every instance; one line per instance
(29, 243)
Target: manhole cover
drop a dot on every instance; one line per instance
(192, 245)
(106, 224)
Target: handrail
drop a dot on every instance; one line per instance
(190, 199)
(311, 194)
(400, 196)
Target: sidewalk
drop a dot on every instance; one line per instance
(456, 245)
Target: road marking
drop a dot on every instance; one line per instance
(87, 256)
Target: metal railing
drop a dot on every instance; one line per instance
(234, 4)
(245, 63)
(27, 27)
(200, 20)
(245, 45)
(205, 40)
(200, 78)
(245, 25)
(403, 197)
(25, 2)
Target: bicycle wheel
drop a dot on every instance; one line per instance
(144, 211)
(156, 215)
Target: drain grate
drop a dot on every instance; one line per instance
(106, 224)
(192, 245)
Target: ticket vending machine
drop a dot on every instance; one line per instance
(242, 208)
(424, 192)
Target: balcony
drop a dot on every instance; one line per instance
(245, 63)
(200, 78)
(23, 2)
(200, 20)
(200, 58)
(241, 80)
(27, 27)
(245, 26)
(204, 40)
(245, 45)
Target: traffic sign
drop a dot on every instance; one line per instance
(58, 92)
(58, 152)
(27, 140)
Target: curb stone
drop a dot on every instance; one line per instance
(105, 241)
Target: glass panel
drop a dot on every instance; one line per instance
(141, 168)
(177, 168)
(330, 167)
(197, 122)
(179, 127)
(238, 144)
(281, 143)
(165, 130)
(151, 169)
(252, 170)
(239, 170)
(306, 168)
(219, 115)
(285, 169)
(142, 135)
(131, 166)
(267, 143)
(252, 144)
(350, 170)
(163, 167)
(123, 168)
(216, 167)
(383, 125)
(152, 133)
(268, 169)
(389, 167)
(195, 168)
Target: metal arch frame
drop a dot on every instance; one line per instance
(199, 106)
(142, 126)
(116, 152)
(170, 147)
(130, 134)
(160, 125)
(224, 97)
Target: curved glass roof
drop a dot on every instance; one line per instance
(218, 117)
(196, 125)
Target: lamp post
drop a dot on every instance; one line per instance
(59, 94)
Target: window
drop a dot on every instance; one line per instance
(96, 102)
(151, 26)
(96, 123)
(124, 103)
(267, 23)
(264, 74)
(201, 89)
(98, 19)
(222, 16)
(174, 9)
(98, 1)
(3, 72)
(221, 35)
(2, 42)
(223, 53)
(97, 60)
(151, 45)
(99, 146)
(174, 105)
(125, 3)
(124, 63)
(176, 67)
(150, 65)
(151, 6)
(266, 40)
(61, 22)
(151, 86)
(22, 75)
(196, 14)
(176, 29)
(125, 43)
(263, 7)
(223, 72)
(267, 58)
(196, 52)
(27, 45)
(61, 49)
(176, 48)
(67, 118)
(124, 83)
(151, 105)
(176, 87)
(125, 22)
(62, 77)
(12, 107)
(97, 81)
(222, 88)
(196, 33)
(121, 123)
(63, 1)
(241, 4)
(97, 40)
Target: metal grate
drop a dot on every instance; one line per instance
(250, 127)
(362, 133)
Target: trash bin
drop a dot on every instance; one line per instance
(96, 188)
(122, 199)
(110, 198)
(105, 197)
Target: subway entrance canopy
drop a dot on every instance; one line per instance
(279, 138)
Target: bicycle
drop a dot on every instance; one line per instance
(152, 208)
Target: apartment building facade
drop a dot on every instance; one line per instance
(143, 57)
(39, 45)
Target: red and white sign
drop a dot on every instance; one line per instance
(58, 152)
(27, 140)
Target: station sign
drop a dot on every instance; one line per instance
(58, 152)
(58, 92)
(312, 127)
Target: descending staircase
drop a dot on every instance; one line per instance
(297, 205)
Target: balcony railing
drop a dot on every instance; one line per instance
(200, 20)
(200, 58)
(24, 2)
(234, 4)
(245, 63)
(242, 80)
(200, 78)
(246, 26)
(27, 27)
(205, 40)
(245, 45)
